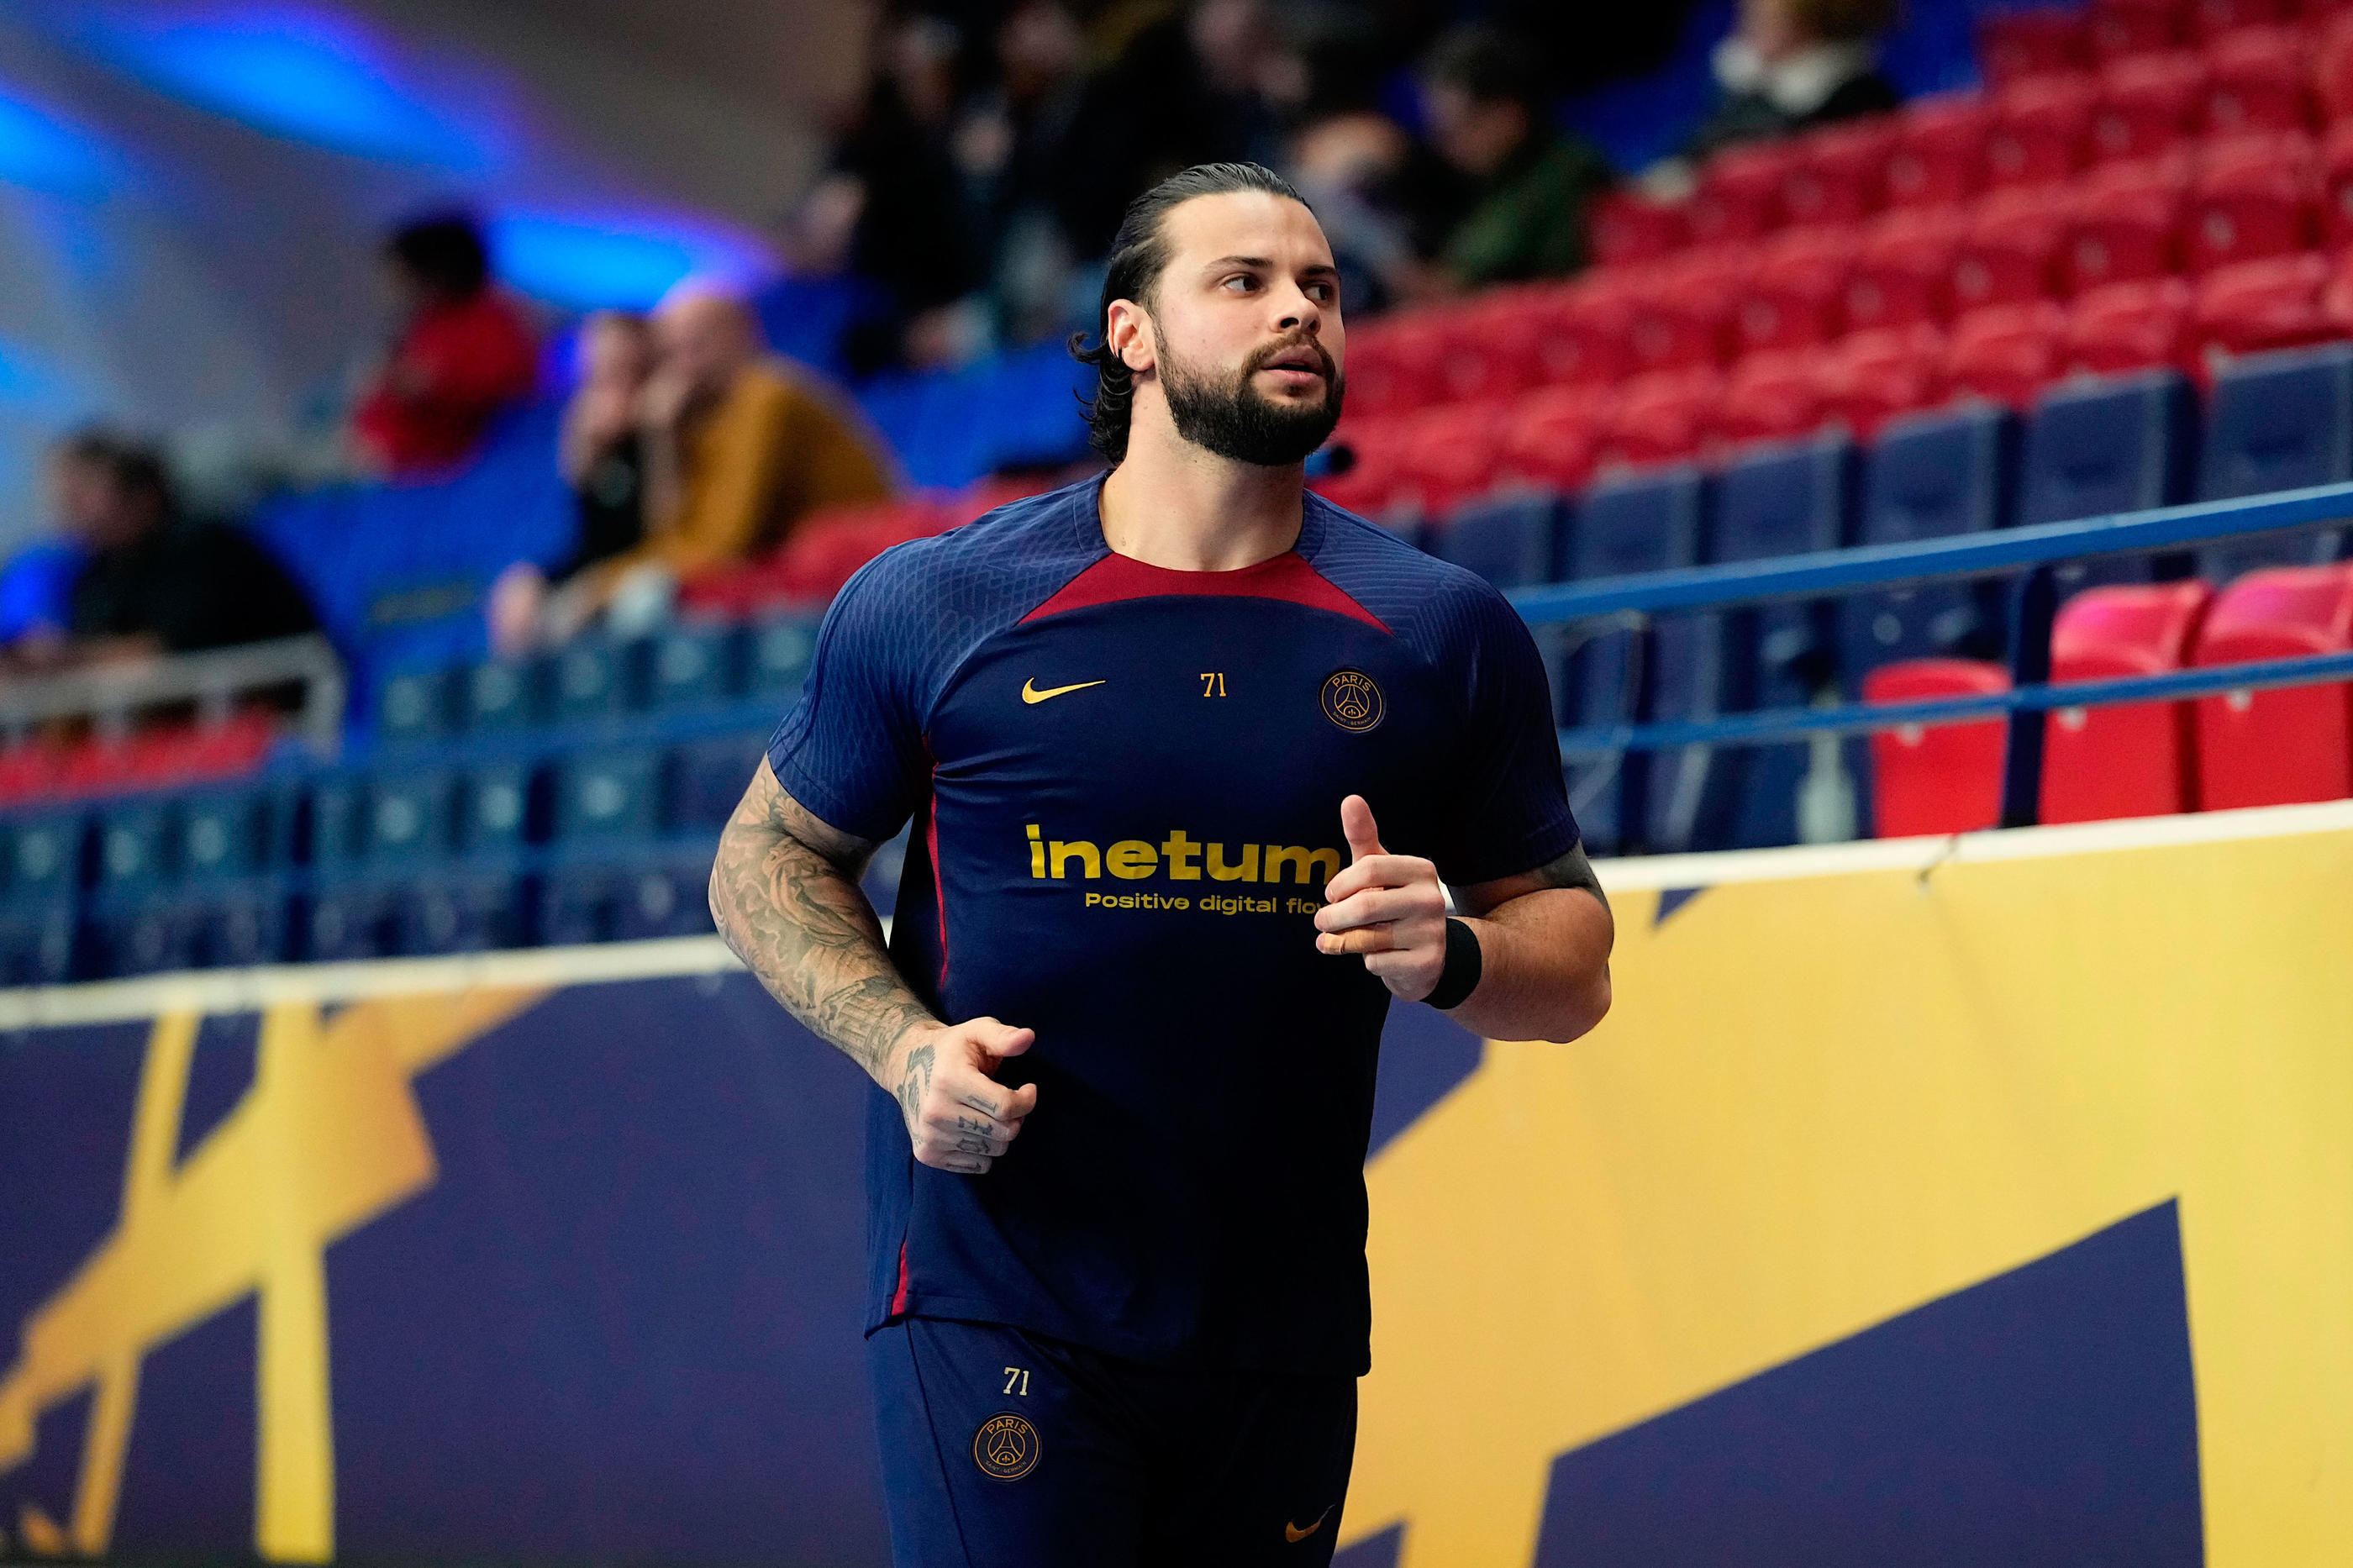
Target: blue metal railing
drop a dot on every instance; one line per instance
(2031, 551)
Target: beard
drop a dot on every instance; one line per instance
(1234, 420)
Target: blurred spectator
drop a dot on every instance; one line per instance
(1790, 64)
(1354, 164)
(736, 448)
(149, 582)
(1012, 146)
(1485, 94)
(603, 457)
(463, 352)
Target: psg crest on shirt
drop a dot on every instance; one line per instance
(1352, 701)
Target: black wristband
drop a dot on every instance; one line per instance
(1464, 964)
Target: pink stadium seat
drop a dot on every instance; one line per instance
(2337, 183)
(1902, 271)
(2016, 44)
(1664, 417)
(2121, 27)
(2211, 21)
(2006, 353)
(1868, 378)
(1447, 455)
(1488, 351)
(2275, 303)
(2261, 81)
(2254, 195)
(1393, 365)
(2126, 222)
(2013, 253)
(1792, 297)
(1945, 779)
(1939, 154)
(1683, 315)
(1772, 395)
(2129, 326)
(2042, 130)
(1839, 175)
(2150, 103)
(2271, 748)
(1586, 334)
(1551, 437)
(1739, 194)
(1628, 227)
(2126, 759)
(2332, 70)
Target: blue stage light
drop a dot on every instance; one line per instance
(42, 153)
(587, 264)
(308, 75)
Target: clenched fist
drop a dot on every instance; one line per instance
(958, 1116)
(1388, 907)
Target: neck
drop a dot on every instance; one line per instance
(1170, 503)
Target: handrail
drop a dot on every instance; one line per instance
(109, 692)
(1829, 572)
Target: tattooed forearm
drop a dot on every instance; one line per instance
(784, 894)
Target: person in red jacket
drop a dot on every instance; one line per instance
(464, 353)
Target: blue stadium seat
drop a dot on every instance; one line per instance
(340, 828)
(1929, 476)
(1509, 540)
(777, 657)
(46, 856)
(693, 664)
(2277, 422)
(138, 843)
(612, 794)
(498, 695)
(611, 894)
(411, 817)
(588, 679)
(143, 928)
(1788, 498)
(36, 938)
(236, 832)
(240, 922)
(1646, 521)
(349, 916)
(2100, 445)
(707, 778)
(473, 906)
(413, 706)
(494, 807)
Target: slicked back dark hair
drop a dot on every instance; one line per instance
(1139, 254)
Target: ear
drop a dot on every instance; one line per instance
(1128, 329)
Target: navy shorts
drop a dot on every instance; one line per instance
(1006, 1449)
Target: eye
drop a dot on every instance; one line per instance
(1246, 281)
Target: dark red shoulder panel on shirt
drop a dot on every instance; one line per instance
(1286, 576)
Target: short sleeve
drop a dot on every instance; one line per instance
(1509, 811)
(851, 750)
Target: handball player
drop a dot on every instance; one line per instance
(1192, 758)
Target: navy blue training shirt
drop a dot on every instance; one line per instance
(1126, 787)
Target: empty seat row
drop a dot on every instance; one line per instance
(2240, 748)
(147, 758)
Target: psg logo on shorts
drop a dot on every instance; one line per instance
(1352, 701)
(1005, 1447)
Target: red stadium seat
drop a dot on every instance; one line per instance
(1372, 476)
(1939, 154)
(2336, 184)
(1630, 227)
(2126, 222)
(2150, 103)
(1447, 455)
(1587, 334)
(1902, 271)
(1840, 174)
(2211, 21)
(1792, 297)
(1551, 437)
(1772, 395)
(2006, 353)
(827, 548)
(2126, 759)
(2275, 303)
(2254, 197)
(1393, 365)
(1682, 316)
(1661, 417)
(2016, 44)
(2261, 81)
(1488, 349)
(2130, 326)
(2121, 27)
(2016, 241)
(28, 771)
(1941, 779)
(1868, 378)
(2332, 70)
(2041, 129)
(2271, 748)
(1739, 194)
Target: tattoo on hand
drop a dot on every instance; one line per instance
(914, 1078)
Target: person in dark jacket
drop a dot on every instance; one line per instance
(1791, 64)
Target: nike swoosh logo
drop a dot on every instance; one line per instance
(1294, 1534)
(1030, 692)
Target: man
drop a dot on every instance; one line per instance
(1151, 923)
(148, 583)
(737, 448)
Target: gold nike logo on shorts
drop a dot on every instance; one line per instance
(1030, 692)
